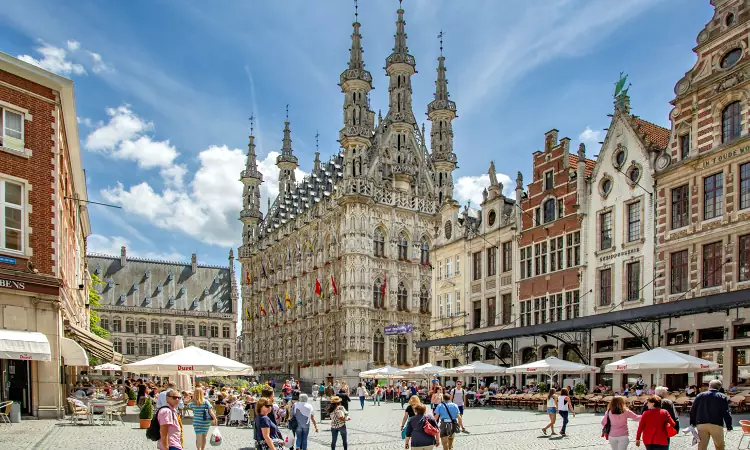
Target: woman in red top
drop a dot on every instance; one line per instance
(654, 426)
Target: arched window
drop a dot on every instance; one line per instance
(154, 327)
(424, 300)
(549, 350)
(227, 352)
(202, 330)
(214, 330)
(476, 354)
(403, 247)
(142, 326)
(505, 352)
(379, 243)
(130, 348)
(129, 325)
(402, 298)
(377, 294)
(424, 352)
(425, 252)
(225, 332)
(401, 351)
(203, 347)
(117, 344)
(142, 348)
(489, 352)
(378, 348)
(215, 348)
(179, 329)
(549, 210)
(528, 355)
(731, 123)
(191, 329)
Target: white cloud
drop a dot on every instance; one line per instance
(99, 66)
(471, 187)
(591, 137)
(110, 245)
(55, 59)
(173, 175)
(147, 152)
(123, 125)
(208, 209)
(85, 121)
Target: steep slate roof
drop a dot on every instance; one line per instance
(656, 135)
(320, 183)
(590, 163)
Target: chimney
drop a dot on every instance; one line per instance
(194, 263)
(565, 142)
(581, 176)
(550, 140)
(123, 256)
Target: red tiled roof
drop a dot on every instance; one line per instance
(656, 135)
(573, 162)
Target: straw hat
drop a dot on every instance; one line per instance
(335, 399)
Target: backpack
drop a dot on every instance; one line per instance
(154, 429)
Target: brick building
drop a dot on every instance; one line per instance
(43, 279)
(703, 203)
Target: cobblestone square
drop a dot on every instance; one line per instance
(374, 428)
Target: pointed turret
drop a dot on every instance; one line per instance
(251, 179)
(359, 120)
(400, 66)
(441, 112)
(286, 161)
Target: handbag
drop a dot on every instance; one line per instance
(607, 427)
(671, 431)
(429, 428)
(448, 428)
(293, 424)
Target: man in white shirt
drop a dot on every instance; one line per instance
(458, 395)
(162, 399)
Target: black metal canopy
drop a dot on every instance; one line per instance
(711, 303)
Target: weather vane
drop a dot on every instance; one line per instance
(356, 13)
(252, 122)
(287, 112)
(440, 36)
(317, 135)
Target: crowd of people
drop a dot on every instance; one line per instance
(432, 415)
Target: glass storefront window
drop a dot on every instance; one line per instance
(714, 355)
(742, 366)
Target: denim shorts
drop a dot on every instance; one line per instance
(551, 410)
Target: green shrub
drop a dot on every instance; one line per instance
(233, 382)
(542, 387)
(147, 411)
(131, 394)
(256, 389)
(580, 389)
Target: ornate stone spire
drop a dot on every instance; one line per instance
(400, 66)
(286, 161)
(441, 112)
(251, 179)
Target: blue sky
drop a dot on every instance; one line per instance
(164, 90)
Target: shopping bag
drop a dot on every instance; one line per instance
(215, 438)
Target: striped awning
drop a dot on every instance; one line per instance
(95, 345)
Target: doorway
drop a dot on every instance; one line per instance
(16, 381)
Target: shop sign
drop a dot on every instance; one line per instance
(725, 156)
(25, 357)
(7, 260)
(12, 284)
(612, 256)
(185, 368)
(392, 330)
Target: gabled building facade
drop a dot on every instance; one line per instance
(703, 194)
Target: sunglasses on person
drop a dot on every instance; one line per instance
(175, 397)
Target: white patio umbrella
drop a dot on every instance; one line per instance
(661, 361)
(108, 366)
(182, 380)
(385, 372)
(423, 371)
(477, 368)
(190, 360)
(552, 367)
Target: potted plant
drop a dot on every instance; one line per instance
(145, 415)
(131, 397)
(580, 391)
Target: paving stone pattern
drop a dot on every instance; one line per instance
(374, 428)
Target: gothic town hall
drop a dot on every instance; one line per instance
(344, 253)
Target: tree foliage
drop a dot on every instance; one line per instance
(95, 300)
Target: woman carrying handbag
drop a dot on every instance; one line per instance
(615, 423)
(656, 426)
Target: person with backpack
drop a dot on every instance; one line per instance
(421, 430)
(447, 415)
(458, 396)
(166, 425)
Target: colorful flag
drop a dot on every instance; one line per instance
(333, 285)
(318, 288)
(249, 277)
(288, 301)
(278, 301)
(262, 310)
(382, 288)
(270, 305)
